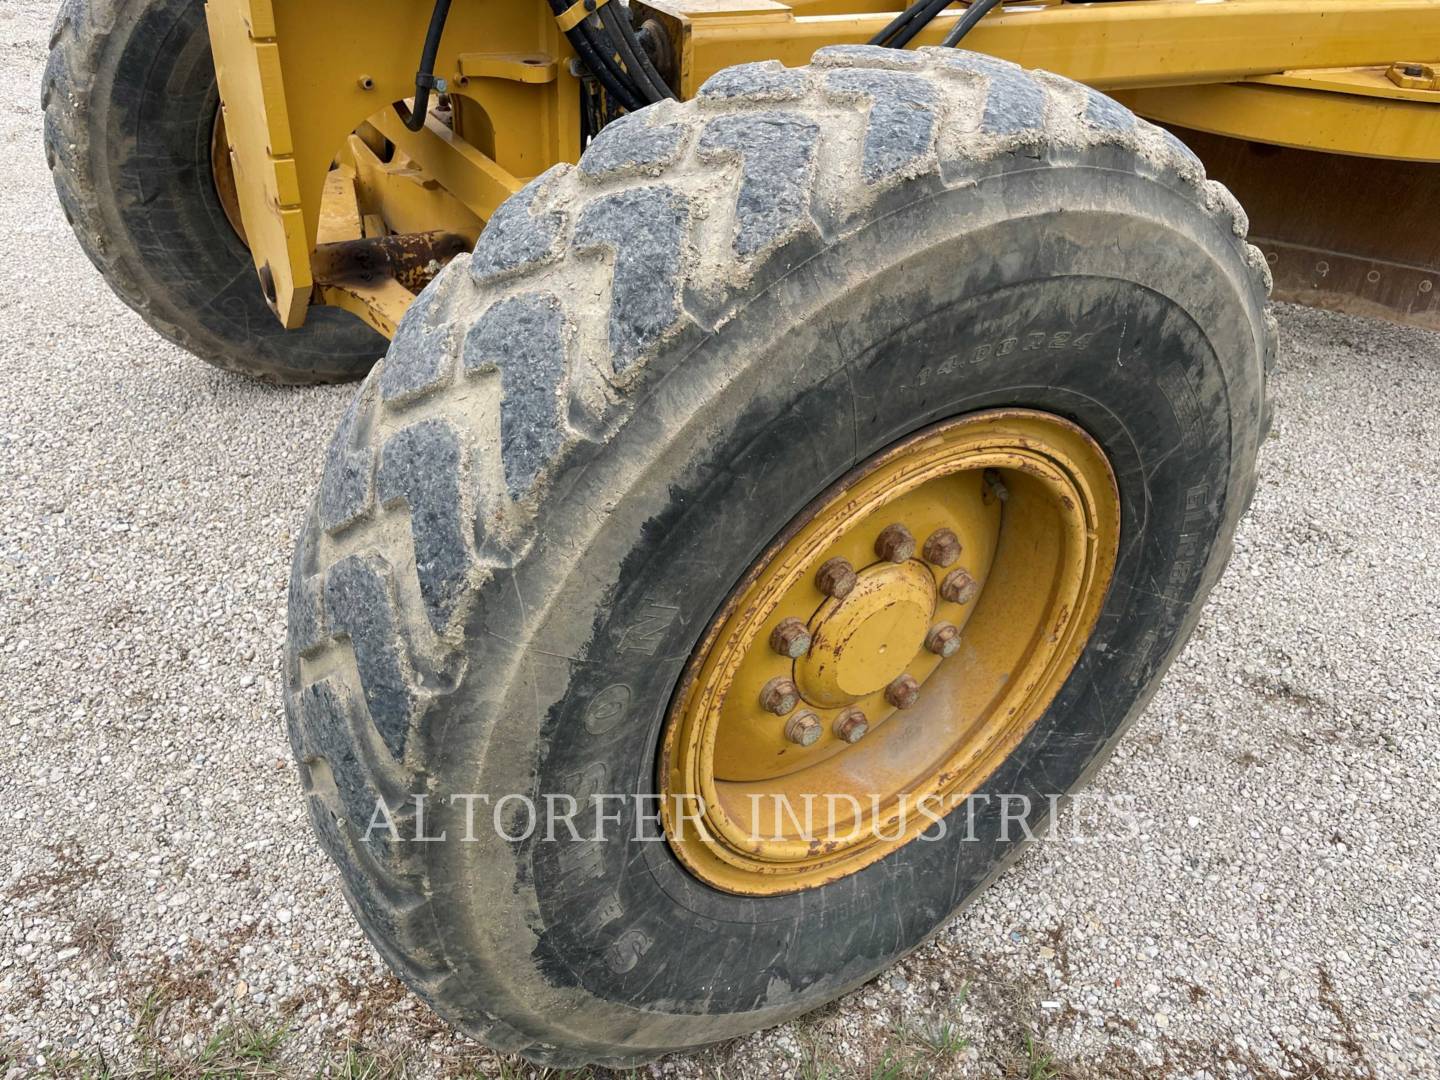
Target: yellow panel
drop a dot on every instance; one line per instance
(1310, 119)
(1138, 43)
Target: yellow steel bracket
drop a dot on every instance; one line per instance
(297, 77)
(1424, 78)
(577, 13)
(267, 179)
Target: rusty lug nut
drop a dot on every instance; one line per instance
(895, 544)
(804, 729)
(791, 638)
(943, 639)
(959, 587)
(836, 578)
(942, 547)
(779, 696)
(851, 725)
(903, 692)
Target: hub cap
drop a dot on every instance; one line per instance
(888, 652)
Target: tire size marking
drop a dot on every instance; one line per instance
(627, 949)
(1032, 341)
(607, 708)
(649, 631)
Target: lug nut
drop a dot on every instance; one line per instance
(851, 725)
(959, 587)
(943, 639)
(895, 544)
(942, 547)
(791, 638)
(779, 696)
(903, 692)
(803, 729)
(836, 578)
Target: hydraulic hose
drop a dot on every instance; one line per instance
(425, 80)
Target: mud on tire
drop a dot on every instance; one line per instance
(584, 433)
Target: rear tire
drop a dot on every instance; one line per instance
(130, 102)
(584, 434)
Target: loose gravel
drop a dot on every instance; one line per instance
(1274, 913)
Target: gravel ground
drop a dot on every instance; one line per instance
(161, 901)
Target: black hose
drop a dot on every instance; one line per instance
(899, 23)
(923, 17)
(599, 56)
(605, 31)
(649, 81)
(425, 80)
(968, 20)
(602, 66)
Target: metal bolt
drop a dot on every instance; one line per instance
(895, 544)
(804, 729)
(1414, 70)
(366, 82)
(851, 725)
(943, 639)
(959, 587)
(903, 692)
(779, 696)
(791, 638)
(836, 578)
(942, 547)
(994, 487)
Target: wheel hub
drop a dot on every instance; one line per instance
(893, 646)
(861, 644)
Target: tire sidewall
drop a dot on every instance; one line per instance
(1144, 317)
(150, 108)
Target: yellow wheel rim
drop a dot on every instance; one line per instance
(888, 652)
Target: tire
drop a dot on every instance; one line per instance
(585, 432)
(130, 102)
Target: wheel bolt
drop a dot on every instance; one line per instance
(942, 547)
(851, 725)
(895, 544)
(836, 578)
(804, 729)
(791, 638)
(959, 587)
(943, 639)
(779, 696)
(903, 692)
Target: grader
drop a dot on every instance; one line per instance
(802, 444)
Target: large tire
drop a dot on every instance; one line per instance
(585, 432)
(130, 103)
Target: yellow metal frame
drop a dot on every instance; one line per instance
(297, 77)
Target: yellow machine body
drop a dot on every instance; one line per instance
(341, 204)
